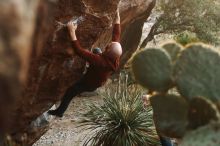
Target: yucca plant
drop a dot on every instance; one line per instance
(121, 120)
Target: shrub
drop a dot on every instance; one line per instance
(122, 120)
(186, 37)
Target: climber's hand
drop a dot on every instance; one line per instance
(118, 13)
(117, 18)
(72, 28)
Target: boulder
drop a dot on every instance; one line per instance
(36, 61)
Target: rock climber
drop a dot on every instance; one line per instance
(101, 65)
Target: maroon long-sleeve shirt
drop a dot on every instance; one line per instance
(101, 65)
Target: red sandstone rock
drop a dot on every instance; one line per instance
(28, 29)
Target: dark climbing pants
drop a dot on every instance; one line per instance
(70, 93)
(165, 141)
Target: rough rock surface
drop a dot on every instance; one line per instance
(66, 131)
(29, 37)
(16, 31)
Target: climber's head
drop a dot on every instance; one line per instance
(96, 51)
(114, 49)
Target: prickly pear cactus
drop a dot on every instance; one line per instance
(204, 136)
(201, 112)
(197, 72)
(218, 105)
(170, 115)
(173, 49)
(152, 69)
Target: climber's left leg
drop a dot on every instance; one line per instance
(70, 93)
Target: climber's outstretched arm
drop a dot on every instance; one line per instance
(117, 18)
(85, 54)
(72, 30)
(116, 34)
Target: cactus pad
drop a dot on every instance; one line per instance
(197, 72)
(204, 136)
(152, 69)
(201, 112)
(170, 115)
(173, 49)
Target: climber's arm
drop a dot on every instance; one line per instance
(116, 29)
(85, 54)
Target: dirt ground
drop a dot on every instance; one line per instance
(64, 131)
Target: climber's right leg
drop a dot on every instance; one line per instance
(68, 96)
